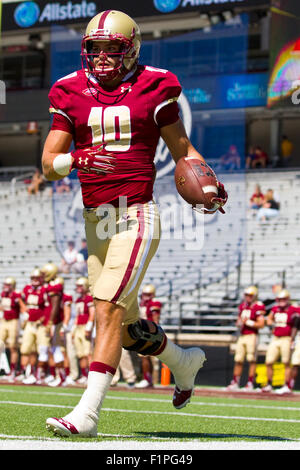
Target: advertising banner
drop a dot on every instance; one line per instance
(40, 13)
(284, 81)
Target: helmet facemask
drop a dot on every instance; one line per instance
(103, 72)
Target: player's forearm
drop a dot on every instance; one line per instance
(49, 162)
(54, 166)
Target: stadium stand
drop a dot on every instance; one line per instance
(200, 288)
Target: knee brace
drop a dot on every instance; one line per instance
(146, 343)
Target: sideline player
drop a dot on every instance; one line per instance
(281, 317)
(35, 340)
(53, 319)
(116, 110)
(9, 326)
(250, 320)
(150, 309)
(82, 329)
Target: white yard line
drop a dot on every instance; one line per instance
(158, 400)
(47, 444)
(168, 413)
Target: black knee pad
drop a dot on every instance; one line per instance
(146, 343)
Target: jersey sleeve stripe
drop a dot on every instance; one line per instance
(161, 105)
(59, 111)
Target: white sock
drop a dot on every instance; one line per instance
(91, 400)
(171, 355)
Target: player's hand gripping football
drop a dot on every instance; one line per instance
(222, 197)
(94, 160)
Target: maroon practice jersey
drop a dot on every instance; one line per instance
(127, 119)
(149, 307)
(82, 306)
(284, 319)
(35, 300)
(10, 305)
(250, 312)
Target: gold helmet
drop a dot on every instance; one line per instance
(148, 289)
(251, 290)
(60, 280)
(83, 282)
(36, 277)
(10, 282)
(283, 294)
(111, 25)
(49, 271)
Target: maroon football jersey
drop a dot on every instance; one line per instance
(82, 305)
(67, 299)
(284, 319)
(35, 299)
(126, 119)
(53, 288)
(250, 312)
(10, 305)
(149, 307)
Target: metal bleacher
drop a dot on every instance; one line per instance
(199, 287)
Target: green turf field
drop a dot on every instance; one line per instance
(151, 417)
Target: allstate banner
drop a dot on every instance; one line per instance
(211, 67)
(43, 13)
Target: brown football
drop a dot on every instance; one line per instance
(195, 181)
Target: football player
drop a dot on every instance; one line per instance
(82, 330)
(53, 320)
(281, 318)
(150, 309)
(116, 110)
(34, 340)
(250, 320)
(9, 326)
(70, 361)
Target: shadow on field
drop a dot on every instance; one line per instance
(196, 435)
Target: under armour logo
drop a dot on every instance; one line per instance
(126, 88)
(83, 161)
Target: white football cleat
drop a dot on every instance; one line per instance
(73, 425)
(68, 381)
(249, 387)
(143, 384)
(57, 382)
(283, 390)
(49, 378)
(267, 388)
(232, 387)
(20, 378)
(191, 361)
(31, 380)
(82, 380)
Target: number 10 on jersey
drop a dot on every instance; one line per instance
(111, 125)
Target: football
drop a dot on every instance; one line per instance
(196, 182)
